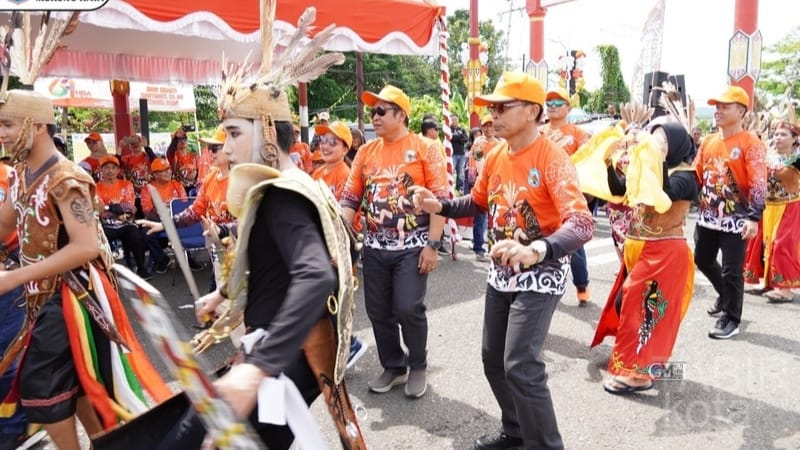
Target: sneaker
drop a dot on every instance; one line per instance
(163, 265)
(583, 296)
(357, 350)
(417, 383)
(144, 274)
(499, 441)
(716, 308)
(386, 381)
(443, 251)
(724, 329)
(481, 257)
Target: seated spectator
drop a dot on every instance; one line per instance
(117, 216)
(167, 189)
(182, 160)
(97, 150)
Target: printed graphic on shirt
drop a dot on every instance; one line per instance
(721, 204)
(391, 221)
(137, 170)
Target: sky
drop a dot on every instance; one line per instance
(695, 42)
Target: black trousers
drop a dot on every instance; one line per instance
(728, 278)
(132, 239)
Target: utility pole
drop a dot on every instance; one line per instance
(509, 13)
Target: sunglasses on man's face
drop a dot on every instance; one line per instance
(555, 103)
(500, 108)
(380, 110)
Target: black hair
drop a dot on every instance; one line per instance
(428, 125)
(541, 111)
(285, 132)
(51, 129)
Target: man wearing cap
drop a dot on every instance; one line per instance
(97, 150)
(300, 153)
(400, 244)
(117, 200)
(569, 137)
(732, 171)
(530, 188)
(61, 241)
(136, 163)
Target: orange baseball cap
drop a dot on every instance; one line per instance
(109, 159)
(93, 136)
(339, 129)
(390, 94)
(486, 119)
(514, 86)
(316, 156)
(734, 94)
(558, 93)
(159, 164)
(217, 138)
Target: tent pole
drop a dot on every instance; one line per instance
(360, 89)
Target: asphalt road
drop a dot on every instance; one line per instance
(735, 394)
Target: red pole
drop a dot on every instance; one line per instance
(746, 19)
(122, 116)
(474, 44)
(536, 14)
(302, 101)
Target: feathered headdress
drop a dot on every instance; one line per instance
(670, 100)
(27, 55)
(635, 114)
(261, 95)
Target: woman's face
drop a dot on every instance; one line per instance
(784, 140)
(332, 148)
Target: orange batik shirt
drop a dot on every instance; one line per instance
(167, 191)
(137, 169)
(379, 180)
(335, 179)
(529, 195)
(120, 191)
(211, 202)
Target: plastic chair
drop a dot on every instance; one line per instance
(192, 236)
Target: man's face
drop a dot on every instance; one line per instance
(454, 121)
(332, 148)
(163, 176)
(387, 118)
(512, 118)
(432, 133)
(488, 130)
(109, 172)
(728, 114)
(696, 135)
(239, 140)
(783, 139)
(9, 131)
(218, 157)
(557, 108)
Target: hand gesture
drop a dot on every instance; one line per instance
(509, 252)
(152, 226)
(424, 200)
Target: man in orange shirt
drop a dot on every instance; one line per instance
(168, 189)
(300, 153)
(400, 243)
(731, 167)
(117, 216)
(530, 188)
(97, 150)
(570, 138)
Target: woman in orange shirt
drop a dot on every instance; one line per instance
(182, 161)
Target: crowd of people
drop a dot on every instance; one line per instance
(305, 217)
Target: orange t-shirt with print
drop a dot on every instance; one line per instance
(336, 178)
(211, 199)
(167, 191)
(379, 180)
(11, 240)
(184, 168)
(137, 169)
(119, 191)
(303, 156)
(733, 181)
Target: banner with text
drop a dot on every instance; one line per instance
(82, 93)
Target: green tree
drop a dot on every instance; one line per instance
(781, 71)
(613, 89)
(494, 39)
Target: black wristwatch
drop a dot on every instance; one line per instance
(434, 244)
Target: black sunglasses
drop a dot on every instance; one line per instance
(500, 108)
(381, 111)
(182, 139)
(214, 148)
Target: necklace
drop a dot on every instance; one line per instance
(31, 176)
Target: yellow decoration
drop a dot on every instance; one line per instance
(645, 178)
(589, 162)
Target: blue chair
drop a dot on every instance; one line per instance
(192, 236)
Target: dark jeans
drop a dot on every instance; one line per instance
(479, 232)
(728, 279)
(459, 162)
(515, 325)
(12, 314)
(394, 296)
(132, 239)
(580, 271)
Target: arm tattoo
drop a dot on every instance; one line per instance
(82, 209)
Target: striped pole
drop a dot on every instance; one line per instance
(448, 134)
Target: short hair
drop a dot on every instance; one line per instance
(285, 132)
(429, 124)
(429, 116)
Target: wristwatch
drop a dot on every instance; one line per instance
(540, 248)
(434, 244)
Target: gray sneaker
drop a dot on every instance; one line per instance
(386, 381)
(417, 383)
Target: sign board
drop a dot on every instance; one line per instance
(77, 92)
(738, 54)
(538, 70)
(754, 66)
